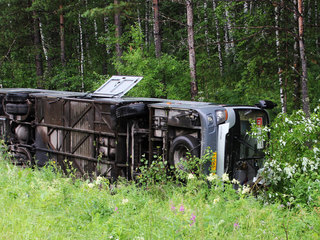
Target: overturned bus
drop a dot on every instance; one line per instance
(106, 134)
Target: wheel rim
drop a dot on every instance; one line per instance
(179, 156)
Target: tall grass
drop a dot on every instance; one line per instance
(43, 204)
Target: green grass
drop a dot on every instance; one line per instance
(40, 204)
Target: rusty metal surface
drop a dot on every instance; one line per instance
(72, 129)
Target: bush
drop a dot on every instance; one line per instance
(161, 76)
(291, 169)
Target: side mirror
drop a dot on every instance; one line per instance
(266, 104)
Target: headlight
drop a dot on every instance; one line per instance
(221, 116)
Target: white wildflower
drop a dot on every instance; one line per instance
(99, 180)
(288, 171)
(235, 181)
(245, 190)
(190, 176)
(212, 177)
(225, 177)
(304, 163)
(216, 200)
(125, 200)
(90, 185)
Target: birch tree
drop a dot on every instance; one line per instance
(37, 45)
(118, 33)
(280, 70)
(216, 22)
(156, 28)
(81, 52)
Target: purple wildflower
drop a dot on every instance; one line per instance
(116, 209)
(236, 225)
(181, 209)
(173, 208)
(193, 219)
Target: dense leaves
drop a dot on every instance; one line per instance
(291, 169)
(243, 53)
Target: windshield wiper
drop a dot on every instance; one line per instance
(251, 158)
(240, 140)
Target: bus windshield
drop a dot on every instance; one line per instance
(244, 153)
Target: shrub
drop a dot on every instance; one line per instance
(291, 169)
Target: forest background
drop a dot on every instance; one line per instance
(225, 51)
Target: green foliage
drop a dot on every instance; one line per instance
(193, 166)
(244, 35)
(162, 77)
(291, 170)
(41, 204)
(155, 172)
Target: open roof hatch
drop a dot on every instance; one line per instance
(117, 86)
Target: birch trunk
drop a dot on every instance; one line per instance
(316, 22)
(146, 26)
(117, 22)
(205, 7)
(228, 32)
(192, 54)
(45, 52)
(106, 49)
(281, 85)
(156, 28)
(37, 44)
(218, 38)
(95, 31)
(106, 30)
(304, 76)
(43, 42)
(81, 53)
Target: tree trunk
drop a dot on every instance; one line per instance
(304, 76)
(37, 44)
(146, 26)
(206, 34)
(296, 64)
(117, 22)
(156, 28)
(45, 52)
(192, 54)
(216, 22)
(316, 23)
(106, 51)
(95, 26)
(81, 53)
(281, 85)
(228, 32)
(62, 41)
(86, 36)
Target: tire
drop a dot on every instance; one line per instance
(17, 109)
(23, 157)
(16, 97)
(180, 147)
(131, 110)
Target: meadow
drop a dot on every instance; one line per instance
(45, 204)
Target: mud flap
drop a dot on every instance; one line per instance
(41, 156)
